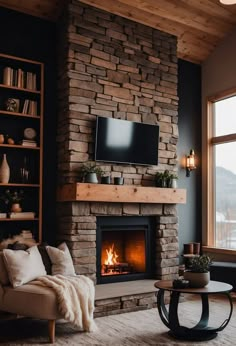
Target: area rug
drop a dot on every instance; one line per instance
(128, 329)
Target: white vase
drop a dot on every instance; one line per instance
(174, 183)
(4, 171)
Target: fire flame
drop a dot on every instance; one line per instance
(111, 256)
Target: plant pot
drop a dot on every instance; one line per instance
(197, 280)
(91, 178)
(106, 180)
(118, 180)
(173, 183)
(16, 208)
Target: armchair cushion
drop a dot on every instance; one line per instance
(31, 301)
(23, 266)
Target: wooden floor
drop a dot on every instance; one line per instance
(140, 328)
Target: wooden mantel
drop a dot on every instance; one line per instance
(119, 193)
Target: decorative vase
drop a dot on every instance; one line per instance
(197, 280)
(2, 138)
(173, 183)
(16, 208)
(4, 171)
(91, 178)
(106, 180)
(118, 180)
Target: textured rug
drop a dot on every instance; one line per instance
(135, 328)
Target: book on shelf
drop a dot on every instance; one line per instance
(28, 143)
(22, 215)
(30, 107)
(26, 234)
(7, 76)
(3, 215)
(19, 78)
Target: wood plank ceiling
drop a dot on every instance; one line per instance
(200, 25)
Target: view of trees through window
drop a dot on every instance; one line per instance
(224, 150)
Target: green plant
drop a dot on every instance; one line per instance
(200, 264)
(173, 176)
(90, 168)
(11, 197)
(163, 179)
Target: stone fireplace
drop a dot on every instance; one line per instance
(113, 67)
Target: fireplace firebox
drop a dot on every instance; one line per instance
(124, 248)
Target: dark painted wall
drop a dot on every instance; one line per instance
(29, 37)
(189, 92)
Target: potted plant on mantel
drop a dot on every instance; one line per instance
(166, 179)
(198, 273)
(90, 172)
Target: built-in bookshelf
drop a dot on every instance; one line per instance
(21, 139)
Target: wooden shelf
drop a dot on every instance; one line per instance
(19, 185)
(19, 77)
(18, 146)
(20, 219)
(119, 193)
(16, 114)
(20, 89)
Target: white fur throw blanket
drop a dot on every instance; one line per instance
(75, 296)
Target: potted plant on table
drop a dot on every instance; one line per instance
(198, 273)
(90, 173)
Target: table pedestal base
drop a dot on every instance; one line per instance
(201, 331)
(196, 337)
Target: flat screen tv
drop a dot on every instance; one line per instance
(124, 141)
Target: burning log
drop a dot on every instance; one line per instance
(118, 268)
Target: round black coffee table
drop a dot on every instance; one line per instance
(170, 318)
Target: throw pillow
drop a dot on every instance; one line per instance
(23, 266)
(61, 260)
(4, 280)
(46, 259)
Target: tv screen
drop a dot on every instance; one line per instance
(124, 141)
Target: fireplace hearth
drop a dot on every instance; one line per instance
(124, 248)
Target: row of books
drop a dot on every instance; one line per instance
(30, 107)
(20, 215)
(19, 78)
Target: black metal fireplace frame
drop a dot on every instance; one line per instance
(133, 223)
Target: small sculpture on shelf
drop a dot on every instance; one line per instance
(12, 105)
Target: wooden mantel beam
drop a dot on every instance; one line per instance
(119, 194)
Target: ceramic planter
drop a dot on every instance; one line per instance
(197, 280)
(91, 178)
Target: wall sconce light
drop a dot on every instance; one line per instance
(190, 163)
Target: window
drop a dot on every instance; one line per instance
(222, 172)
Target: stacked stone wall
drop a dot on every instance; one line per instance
(111, 66)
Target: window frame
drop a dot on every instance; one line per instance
(209, 141)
